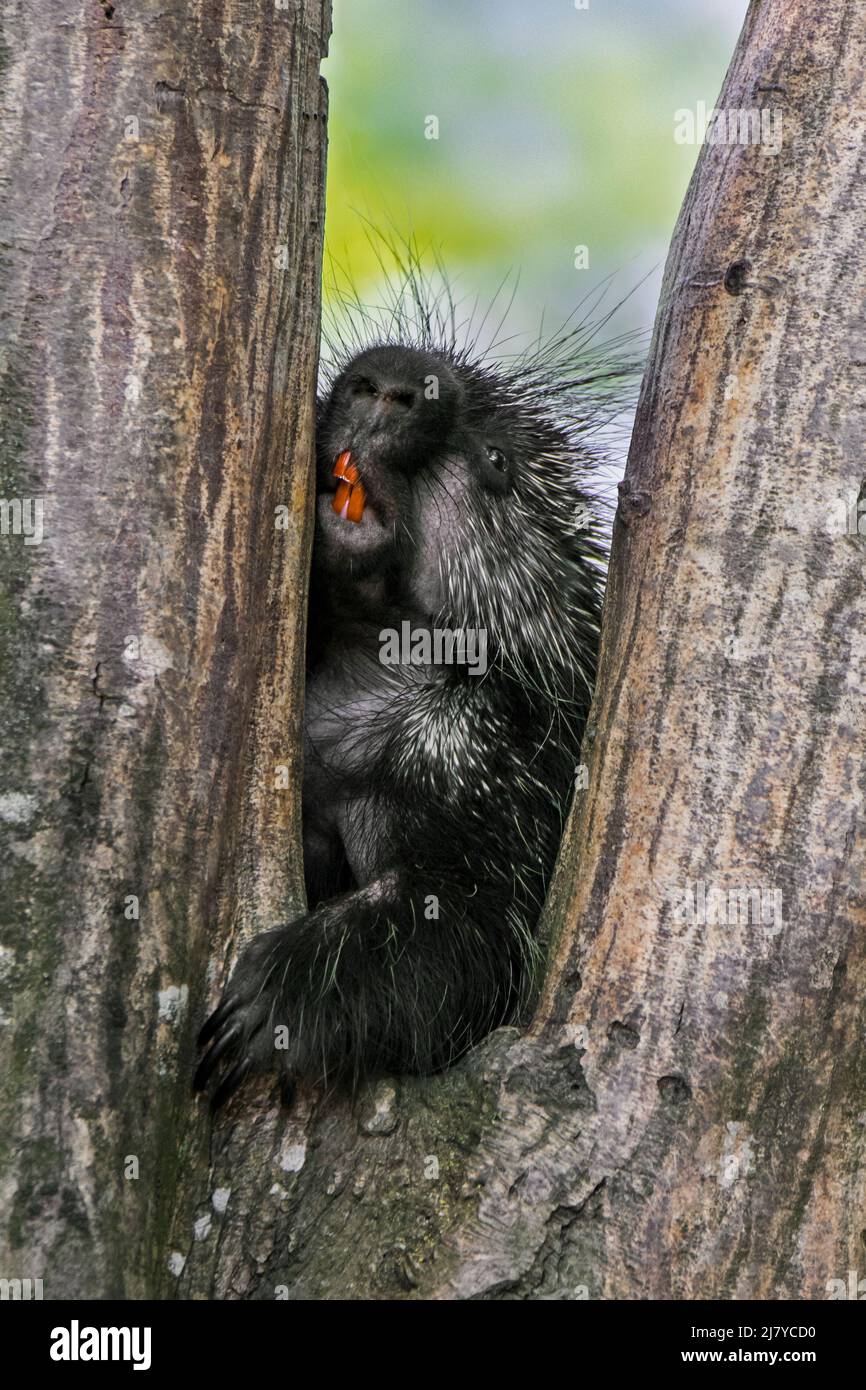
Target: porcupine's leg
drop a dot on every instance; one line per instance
(365, 985)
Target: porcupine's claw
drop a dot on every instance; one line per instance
(226, 1089)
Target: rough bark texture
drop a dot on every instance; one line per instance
(687, 1115)
(162, 172)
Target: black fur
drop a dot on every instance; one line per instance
(434, 800)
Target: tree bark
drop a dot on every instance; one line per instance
(686, 1116)
(161, 268)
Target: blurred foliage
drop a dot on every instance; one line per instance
(555, 130)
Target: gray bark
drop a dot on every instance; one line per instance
(685, 1117)
(163, 181)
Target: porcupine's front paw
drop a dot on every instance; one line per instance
(240, 1031)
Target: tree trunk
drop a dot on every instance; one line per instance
(160, 318)
(687, 1116)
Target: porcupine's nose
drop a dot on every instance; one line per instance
(403, 402)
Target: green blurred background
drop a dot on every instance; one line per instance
(556, 130)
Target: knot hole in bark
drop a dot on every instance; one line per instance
(737, 276)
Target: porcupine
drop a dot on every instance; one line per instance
(455, 494)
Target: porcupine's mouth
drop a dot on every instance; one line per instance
(350, 511)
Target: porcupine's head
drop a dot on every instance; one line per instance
(461, 487)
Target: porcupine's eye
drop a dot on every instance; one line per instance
(363, 386)
(496, 471)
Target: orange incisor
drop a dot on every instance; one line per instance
(350, 496)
